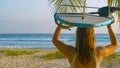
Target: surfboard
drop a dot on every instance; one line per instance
(75, 20)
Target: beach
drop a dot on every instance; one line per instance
(34, 51)
(27, 30)
(36, 60)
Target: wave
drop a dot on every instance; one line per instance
(25, 40)
(10, 46)
(46, 40)
(31, 40)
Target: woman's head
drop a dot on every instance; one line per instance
(85, 44)
(85, 36)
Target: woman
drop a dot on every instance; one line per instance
(85, 54)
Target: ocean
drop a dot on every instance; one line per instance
(43, 41)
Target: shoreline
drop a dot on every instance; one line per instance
(44, 49)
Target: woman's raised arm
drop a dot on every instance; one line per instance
(113, 37)
(65, 49)
(108, 50)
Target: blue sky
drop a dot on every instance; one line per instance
(32, 16)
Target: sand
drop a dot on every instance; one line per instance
(35, 61)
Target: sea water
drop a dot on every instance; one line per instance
(43, 41)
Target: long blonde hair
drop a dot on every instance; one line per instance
(85, 44)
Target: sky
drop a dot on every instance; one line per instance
(34, 16)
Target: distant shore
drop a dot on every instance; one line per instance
(36, 60)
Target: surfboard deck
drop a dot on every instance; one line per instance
(75, 20)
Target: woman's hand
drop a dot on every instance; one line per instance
(63, 26)
(109, 26)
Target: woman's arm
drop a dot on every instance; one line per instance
(65, 49)
(113, 38)
(108, 50)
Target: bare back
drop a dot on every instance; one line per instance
(75, 63)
